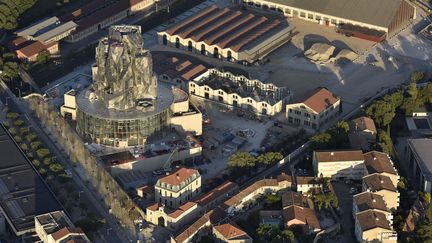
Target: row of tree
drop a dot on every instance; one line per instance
(246, 160)
(115, 198)
(10, 10)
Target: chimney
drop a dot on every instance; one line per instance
(374, 157)
(376, 218)
(374, 200)
(331, 153)
(382, 181)
(178, 176)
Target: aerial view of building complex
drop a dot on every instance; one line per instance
(238, 121)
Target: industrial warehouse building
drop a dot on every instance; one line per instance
(228, 34)
(368, 19)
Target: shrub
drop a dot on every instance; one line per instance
(12, 131)
(24, 130)
(24, 147)
(18, 139)
(42, 172)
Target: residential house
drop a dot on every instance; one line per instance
(178, 187)
(230, 233)
(382, 185)
(313, 109)
(343, 164)
(306, 183)
(373, 226)
(380, 163)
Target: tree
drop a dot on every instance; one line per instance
(43, 57)
(269, 158)
(36, 162)
(12, 115)
(321, 140)
(35, 145)
(42, 153)
(287, 236)
(10, 70)
(267, 232)
(47, 161)
(381, 112)
(416, 76)
(402, 185)
(18, 123)
(424, 232)
(31, 137)
(242, 160)
(56, 167)
(386, 143)
(272, 199)
(411, 103)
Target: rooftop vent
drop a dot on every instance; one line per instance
(332, 153)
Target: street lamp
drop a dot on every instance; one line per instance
(79, 195)
(108, 230)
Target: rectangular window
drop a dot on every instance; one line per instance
(290, 110)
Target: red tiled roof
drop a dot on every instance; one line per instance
(153, 207)
(362, 123)
(35, 48)
(318, 99)
(372, 219)
(377, 182)
(305, 215)
(250, 189)
(178, 176)
(19, 42)
(307, 180)
(182, 209)
(378, 162)
(226, 28)
(341, 155)
(147, 189)
(63, 232)
(212, 195)
(230, 231)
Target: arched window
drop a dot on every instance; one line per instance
(177, 43)
(164, 40)
(190, 45)
(203, 51)
(216, 52)
(229, 56)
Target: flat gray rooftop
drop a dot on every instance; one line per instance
(423, 149)
(98, 109)
(374, 12)
(23, 194)
(46, 29)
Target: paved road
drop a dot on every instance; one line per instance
(13, 102)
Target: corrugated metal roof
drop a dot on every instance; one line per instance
(373, 12)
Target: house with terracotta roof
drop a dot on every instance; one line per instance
(230, 34)
(145, 191)
(365, 201)
(382, 185)
(381, 163)
(216, 196)
(178, 187)
(56, 227)
(240, 92)
(342, 164)
(313, 109)
(362, 133)
(230, 233)
(373, 226)
(159, 215)
(31, 50)
(296, 215)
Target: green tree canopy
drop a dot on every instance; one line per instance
(242, 160)
(269, 158)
